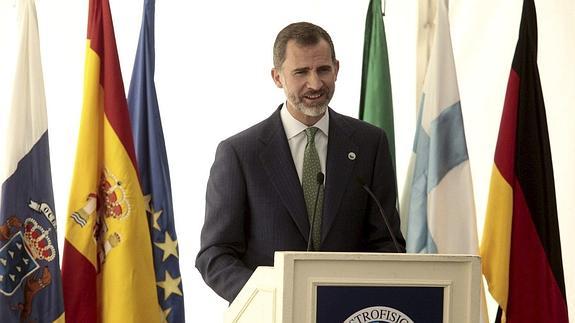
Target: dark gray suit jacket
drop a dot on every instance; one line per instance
(255, 204)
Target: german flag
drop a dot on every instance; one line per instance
(521, 248)
(108, 273)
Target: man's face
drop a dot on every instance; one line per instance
(308, 77)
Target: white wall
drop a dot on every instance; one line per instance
(213, 61)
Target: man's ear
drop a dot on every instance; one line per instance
(336, 68)
(277, 77)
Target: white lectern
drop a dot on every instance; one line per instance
(308, 287)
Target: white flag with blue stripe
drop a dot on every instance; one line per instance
(441, 207)
(438, 200)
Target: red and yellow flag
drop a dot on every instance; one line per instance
(108, 273)
(521, 248)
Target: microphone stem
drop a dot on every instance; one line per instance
(383, 216)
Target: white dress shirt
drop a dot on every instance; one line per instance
(295, 133)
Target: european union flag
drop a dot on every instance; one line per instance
(154, 172)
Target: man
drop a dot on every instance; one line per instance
(265, 181)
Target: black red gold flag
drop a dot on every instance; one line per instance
(521, 247)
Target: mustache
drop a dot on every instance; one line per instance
(318, 92)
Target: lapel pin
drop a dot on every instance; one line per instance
(351, 155)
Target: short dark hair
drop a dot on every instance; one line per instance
(305, 34)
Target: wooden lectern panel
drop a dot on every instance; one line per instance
(288, 292)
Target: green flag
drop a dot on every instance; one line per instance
(375, 104)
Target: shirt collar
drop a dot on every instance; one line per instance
(293, 127)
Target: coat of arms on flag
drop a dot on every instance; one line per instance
(25, 250)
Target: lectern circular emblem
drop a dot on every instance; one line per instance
(378, 314)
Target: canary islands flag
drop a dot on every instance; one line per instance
(30, 280)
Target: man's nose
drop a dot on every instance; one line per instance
(314, 82)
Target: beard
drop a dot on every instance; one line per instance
(311, 111)
(314, 109)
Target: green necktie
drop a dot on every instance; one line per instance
(311, 167)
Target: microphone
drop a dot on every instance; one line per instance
(373, 197)
(319, 179)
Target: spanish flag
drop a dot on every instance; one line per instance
(108, 271)
(521, 248)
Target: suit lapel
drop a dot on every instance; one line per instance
(339, 167)
(278, 164)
